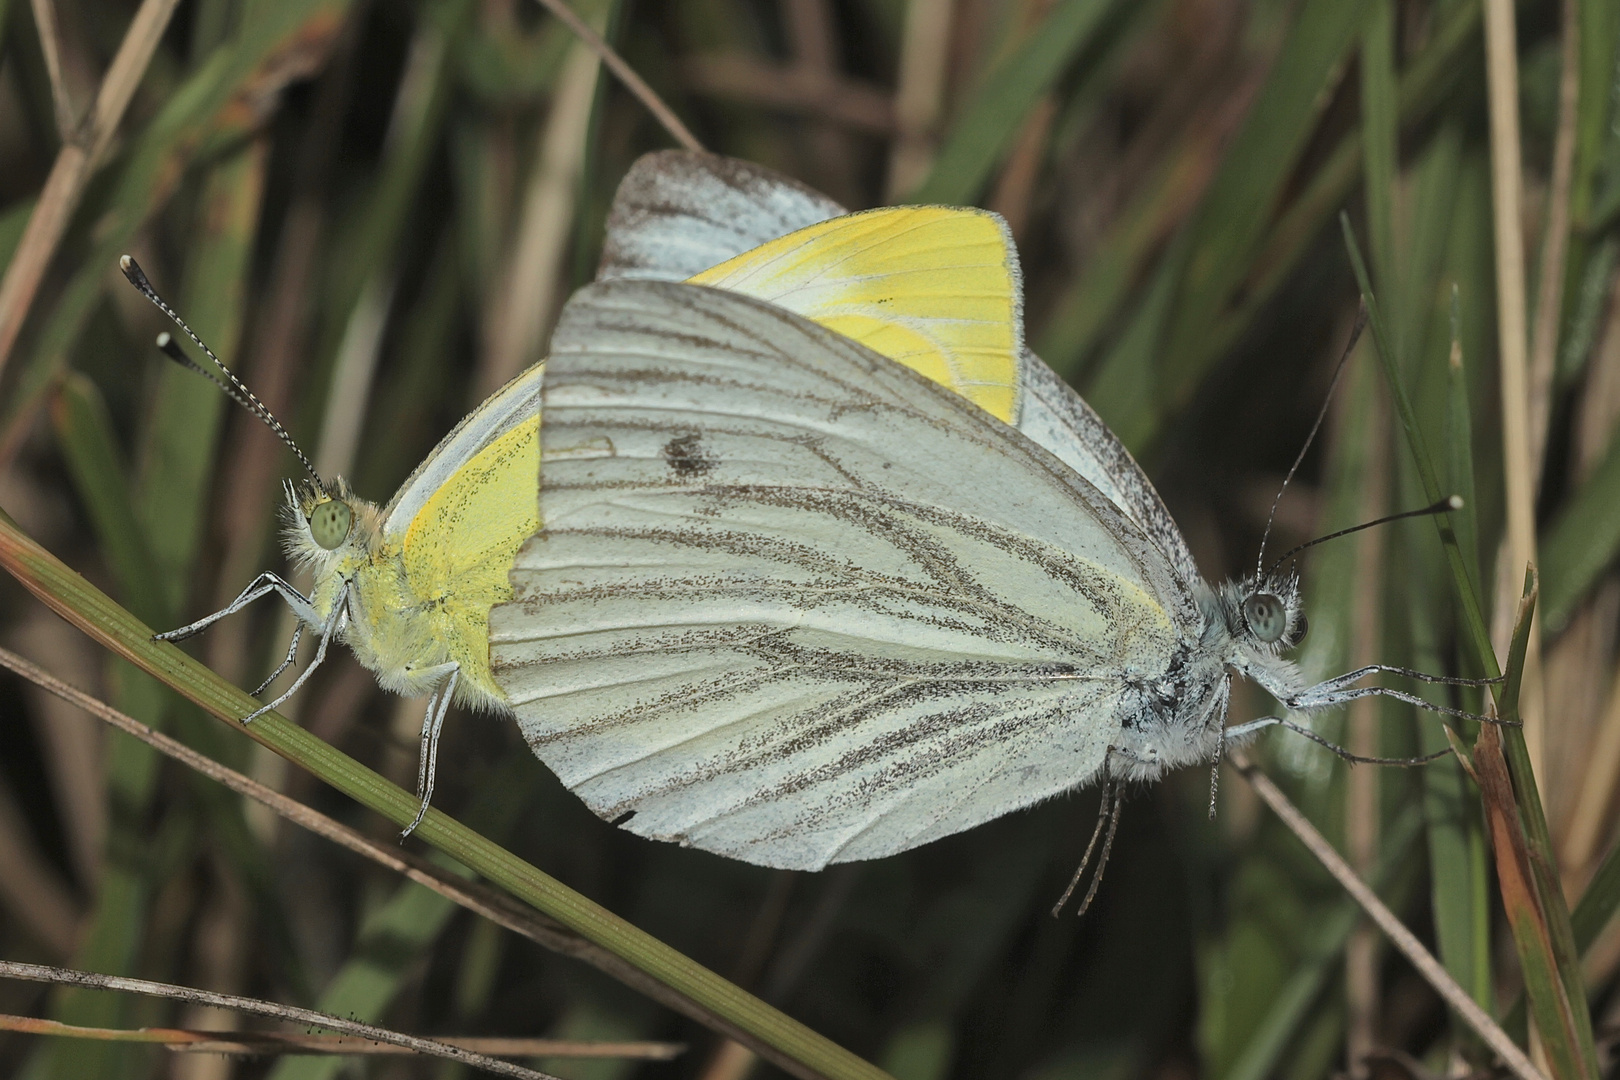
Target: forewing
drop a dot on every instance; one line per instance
(680, 214)
(677, 213)
(1056, 417)
(513, 406)
(796, 604)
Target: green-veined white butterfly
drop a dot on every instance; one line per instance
(796, 604)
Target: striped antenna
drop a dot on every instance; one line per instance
(234, 388)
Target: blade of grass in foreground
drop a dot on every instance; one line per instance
(793, 1046)
(1558, 1018)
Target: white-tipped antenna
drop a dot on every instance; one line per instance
(233, 387)
(1321, 415)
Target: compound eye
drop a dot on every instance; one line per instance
(329, 523)
(1304, 628)
(1265, 616)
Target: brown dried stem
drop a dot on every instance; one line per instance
(253, 1006)
(196, 1041)
(625, 74)
(75, 163)
(1518, 460)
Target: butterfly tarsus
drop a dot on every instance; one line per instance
(287, 661)
(1355, 759)
(261, 586)
(427, 761)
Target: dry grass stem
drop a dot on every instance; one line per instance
(254, 1007)
(50, 45)
(74, 745)
(75, 163)
(527, 301)
(1555, 243)
(812, 35)
(1519, 544)
(195, 1041)
(1403, 939)
(919, 96)
(624, 73)
(1591, 825)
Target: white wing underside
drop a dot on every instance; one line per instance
(796, 604)
(678, 213)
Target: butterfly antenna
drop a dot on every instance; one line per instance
(1321, 415)
(1450, 502)
(235, 388)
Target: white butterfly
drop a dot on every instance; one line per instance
(796, 604)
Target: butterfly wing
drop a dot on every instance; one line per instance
(460, 518)
(676, 208)
(795, 604)
(677, 213)
(1055, 417)
(935, 288)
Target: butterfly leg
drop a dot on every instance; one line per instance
(263, 585)
(329, 629)
(427, 761)
(1242, 731)
(287, 662)
(1334, 692)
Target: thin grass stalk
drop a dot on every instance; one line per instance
(255, 1007)
(1518, 458)
(1403, 939)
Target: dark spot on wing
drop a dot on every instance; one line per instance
(687, 455)
(624, 817)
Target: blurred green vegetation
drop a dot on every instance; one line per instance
(373, 211)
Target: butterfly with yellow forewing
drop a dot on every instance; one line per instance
(796, 603)
(409, 586)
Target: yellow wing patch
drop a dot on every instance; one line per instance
(460, 545)
(935, 288)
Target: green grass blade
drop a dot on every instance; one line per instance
(394, 937)
(85, 436)
(116, 629)
(1479, 636)
(1598, 903)
(1560, 957)
(991, 119)
(1561, 1017)
(1380, 122)
(1421, 88)
(1582, 540)
(1290, 1012)
(1233, 217)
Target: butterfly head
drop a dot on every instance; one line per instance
(1265, 612)
(327, 524)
